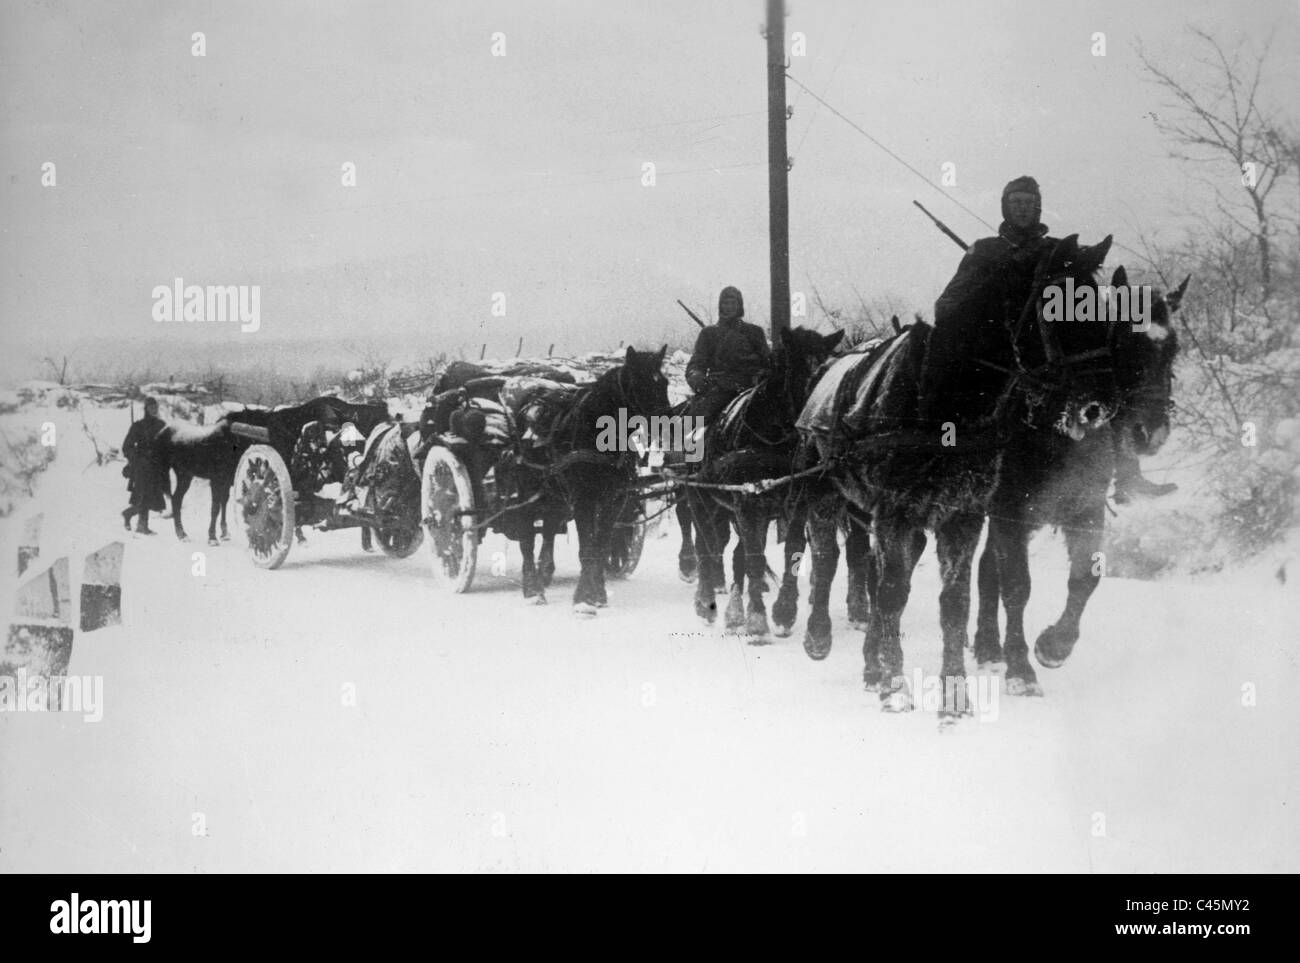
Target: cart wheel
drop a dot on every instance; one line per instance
(265, 498)
(626, 545)
(446, 492)
(397, 543)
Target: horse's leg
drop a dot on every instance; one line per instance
(955, 542)
(367, 541)
(857, 546)
(739, 564)
(608, 511)
(1010, 537)
(988, 637)
(584, 520)
(785, 610)
(754, 525)
(225, 498)
(1082, 539)
(687, 564)
(898, 546)
(534, 591)
(825, 550)
(183, 479)
(710, 541)
(546, 560)
(219, 496)
(871, 634)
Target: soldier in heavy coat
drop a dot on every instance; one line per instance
(148, 479)
(991, 285)
(990, 288)
(729, 357)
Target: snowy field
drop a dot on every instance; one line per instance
(490, 735)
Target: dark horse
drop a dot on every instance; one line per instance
(584, 473)
(1048, 479)
(908, 479)
(754, 440)
(213, 452)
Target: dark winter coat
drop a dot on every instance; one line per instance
(148, 476)
(990, 288)
(729, 356)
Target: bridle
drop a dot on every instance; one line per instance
(792, 403)
(628, 392)
(1059, 371)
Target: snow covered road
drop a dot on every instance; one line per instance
(341, 714)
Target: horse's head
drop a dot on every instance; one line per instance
(640, 383)
(1064, 346)
(799, 354)
(1143, 357)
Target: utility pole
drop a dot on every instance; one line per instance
(778, 166)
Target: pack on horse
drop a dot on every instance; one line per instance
(573, 476)
(213, 452)
(909, 480)
(1047, 478)
(755, 439)
(837, 381)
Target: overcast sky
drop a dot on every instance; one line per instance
(522, 174)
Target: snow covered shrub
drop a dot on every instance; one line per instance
(22, 458)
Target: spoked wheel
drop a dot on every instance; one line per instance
(265, 498)
(628, 541)
(446, 495)
(399, 543)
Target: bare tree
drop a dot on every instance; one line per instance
(59, 368)
(1240, 369)
(1219, 117)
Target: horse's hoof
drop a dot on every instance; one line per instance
(958, 699)
(1053, 647)
(871, 681)
(211, 542)
(947, 723)
(538, 599)
(995, 667)
(734, 620)
(782, 631)
(897, 697)
(709, 612)
(858, 625)
(816, 647)
(182, 537)
(756, 625)
(584, 610)
(1023, 687)
(225, 536)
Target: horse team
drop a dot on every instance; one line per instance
(1043, 454)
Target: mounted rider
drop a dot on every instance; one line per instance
(729, 357)
(990, 287)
